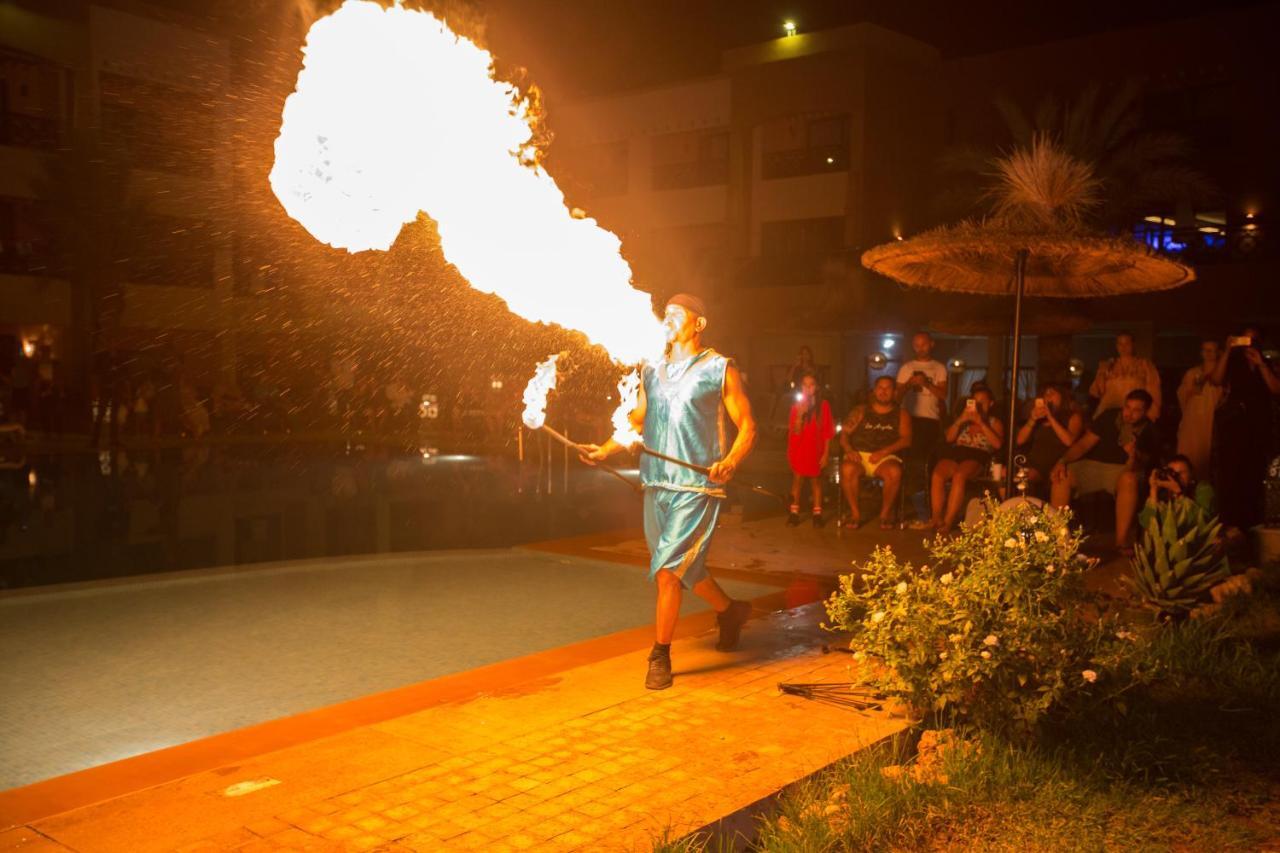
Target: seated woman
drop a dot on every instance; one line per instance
(971, 439)
(1054, 425)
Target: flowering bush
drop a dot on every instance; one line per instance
(999, 630)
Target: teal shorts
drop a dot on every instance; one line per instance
(678, 527)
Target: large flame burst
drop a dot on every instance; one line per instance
(395, 114)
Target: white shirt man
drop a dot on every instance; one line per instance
(922, 382)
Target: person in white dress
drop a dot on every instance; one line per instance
(1199, 398)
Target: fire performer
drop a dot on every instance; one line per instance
(681, 412)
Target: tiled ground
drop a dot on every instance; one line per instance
(585, 760)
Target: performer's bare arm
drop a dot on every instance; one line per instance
(600, 452)
(739, 409)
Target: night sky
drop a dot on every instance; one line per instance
(583, 47)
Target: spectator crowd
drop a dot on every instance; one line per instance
(1116, 436)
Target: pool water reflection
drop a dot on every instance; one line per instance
(86, 516)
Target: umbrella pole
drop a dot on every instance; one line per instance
(1020, 283)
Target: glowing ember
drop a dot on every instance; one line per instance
(628, 396)
(535, 393)
(395, 114)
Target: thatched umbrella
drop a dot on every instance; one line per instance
(1034, 244)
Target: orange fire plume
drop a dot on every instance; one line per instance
(395, 114)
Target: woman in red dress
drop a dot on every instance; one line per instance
(809, 433)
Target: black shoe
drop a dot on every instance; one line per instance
(659, 677)
(731, 622)
(793, 519)
(818, 520)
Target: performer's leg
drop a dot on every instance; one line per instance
(709, 591)
(670, 592)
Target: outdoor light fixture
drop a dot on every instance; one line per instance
(956, 365)
(1075, 367)
(830, 160)
(888, 342)
(877, 360)
(789, 27)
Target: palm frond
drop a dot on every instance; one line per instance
(1020, 128)
(1043, 186)
(1119, 117)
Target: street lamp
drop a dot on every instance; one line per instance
(789, 27)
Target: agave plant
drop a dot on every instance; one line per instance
(1179, 559)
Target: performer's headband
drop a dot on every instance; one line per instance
(689, 302)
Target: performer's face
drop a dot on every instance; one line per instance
(680, 324)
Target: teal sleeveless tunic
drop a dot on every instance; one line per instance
(685, 418)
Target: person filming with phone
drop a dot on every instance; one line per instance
(971, 440)
(1176, 481)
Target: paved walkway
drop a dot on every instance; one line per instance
(583, 759)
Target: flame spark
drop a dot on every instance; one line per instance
(629, 397)
(395, 114)
(535, 393)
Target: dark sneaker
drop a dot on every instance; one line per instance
(818, 520)
(659, 677)
(793, 519)
(731, 622)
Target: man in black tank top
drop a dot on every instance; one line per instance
(872, 437)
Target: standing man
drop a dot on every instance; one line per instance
(922, 390)
(681, 412)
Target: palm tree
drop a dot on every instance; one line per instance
(1141, 170)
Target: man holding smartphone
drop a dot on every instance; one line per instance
(922, 391)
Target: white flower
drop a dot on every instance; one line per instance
(1011, 542)
(991, 640)
(986, 655)
(878, 616)
(947, 578)
(1090, 676)
(1041, 536)
(900, 588)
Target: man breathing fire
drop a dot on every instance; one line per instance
(680, 412)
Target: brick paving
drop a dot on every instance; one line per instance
(587, 759)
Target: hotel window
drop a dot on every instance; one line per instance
(794, 251)
(804, 145)
(159, 127)
(32, 101)
(694, 159)
(26, 237)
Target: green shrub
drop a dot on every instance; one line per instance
(999, 631)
